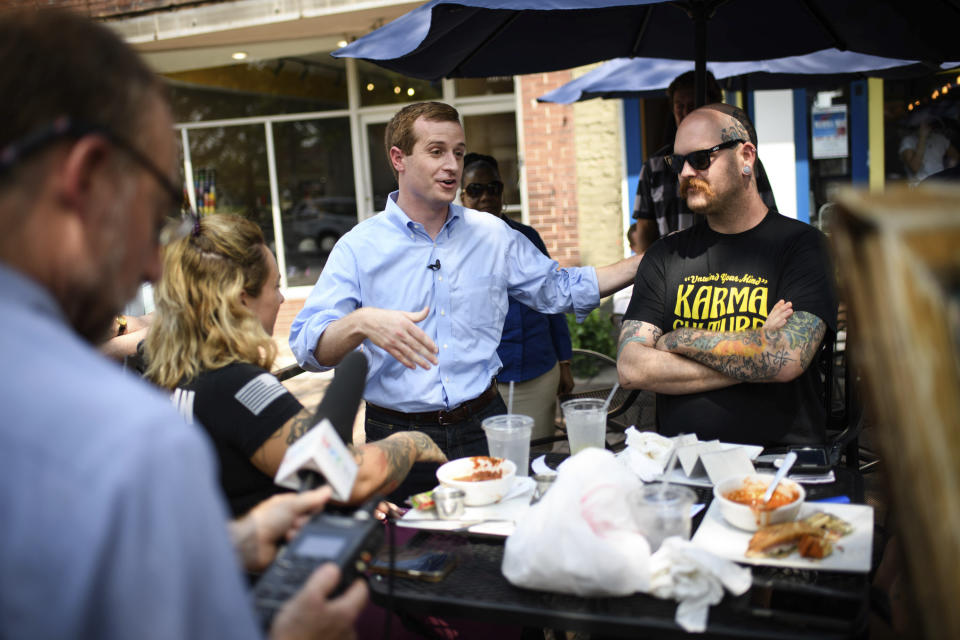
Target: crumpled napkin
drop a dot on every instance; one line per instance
(646, 453)
(694, 577)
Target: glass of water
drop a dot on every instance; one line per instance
(663, 511)
(508, 436)
(586, 423)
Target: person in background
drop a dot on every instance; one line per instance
(926, 150)
(424, 287)
(534, 347)
(658, 207)
(211, 345)
(702, 330)
(113, 524)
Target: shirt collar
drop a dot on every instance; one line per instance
(403, 221)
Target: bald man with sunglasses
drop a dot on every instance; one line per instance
(694, 331)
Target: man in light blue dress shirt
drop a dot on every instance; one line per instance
(113, 522)
(424, 287)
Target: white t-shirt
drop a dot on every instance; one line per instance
(933, 154)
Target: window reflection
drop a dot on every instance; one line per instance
(230, 173)
(317, 197)
(381, 86)
(281, 85)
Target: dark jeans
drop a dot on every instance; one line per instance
(465, 438)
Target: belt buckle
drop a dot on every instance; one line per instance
(445, 419)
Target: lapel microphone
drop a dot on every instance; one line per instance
(435, 266)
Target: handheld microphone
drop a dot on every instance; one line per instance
(342, 398)
(435, 266)
(320, 456)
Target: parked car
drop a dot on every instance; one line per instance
(315, 224)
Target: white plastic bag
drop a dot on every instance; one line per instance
(581, 538)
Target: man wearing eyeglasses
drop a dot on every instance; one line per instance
(694, 331)
(658, 206)
(423, 286)
(113, 524)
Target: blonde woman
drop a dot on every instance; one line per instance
(210, 343)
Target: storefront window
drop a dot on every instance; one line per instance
(495, 135)
(230, 173)
(380, 86)
(267, 87)
(317, 197)
(380, 172)
(483, 86)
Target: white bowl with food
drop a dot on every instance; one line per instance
(741, 500)
(484, 480)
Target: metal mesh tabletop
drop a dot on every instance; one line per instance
(782, 603)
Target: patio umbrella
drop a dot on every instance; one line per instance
(480, 38)
(649, 77)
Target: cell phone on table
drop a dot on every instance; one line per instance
(811, 459)
(412, 562)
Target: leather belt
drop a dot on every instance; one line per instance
(459, 413)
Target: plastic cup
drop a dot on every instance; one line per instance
(508, 436)
(662, 513)
(586, 423)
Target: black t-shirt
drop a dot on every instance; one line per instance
(240, 406)
(700, 278)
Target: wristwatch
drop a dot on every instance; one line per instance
(121, 325)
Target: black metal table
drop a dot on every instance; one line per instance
(782, 603)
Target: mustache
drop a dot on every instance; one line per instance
(695, 184)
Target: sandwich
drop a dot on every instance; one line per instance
(812, 537)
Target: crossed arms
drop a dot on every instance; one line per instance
(690, 360)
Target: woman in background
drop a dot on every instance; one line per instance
(210, 343)
(534, 347)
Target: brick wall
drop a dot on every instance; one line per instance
(550, 161)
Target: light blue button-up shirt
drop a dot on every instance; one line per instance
(382, 263)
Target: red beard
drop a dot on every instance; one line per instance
(695, 184)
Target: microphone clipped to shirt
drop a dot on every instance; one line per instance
(435, 266)
(320, 455)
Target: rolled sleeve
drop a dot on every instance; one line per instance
(536, 281)
(336, 294)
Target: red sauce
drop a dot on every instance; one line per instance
(751, 495)
(484, 468)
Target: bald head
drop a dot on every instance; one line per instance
(715, 155)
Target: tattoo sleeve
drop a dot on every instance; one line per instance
(752, 356)
(400, 451)
(300, 425)
(639, 332)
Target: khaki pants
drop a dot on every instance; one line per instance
(536, 398)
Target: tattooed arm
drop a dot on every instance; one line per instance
(385, 463)
(382, 465)
(759, 355)
(641, 365)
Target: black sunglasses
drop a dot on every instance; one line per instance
(699, 160)
(477, 189)
(181, 217)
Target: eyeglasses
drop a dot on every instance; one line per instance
(477, 189)
(180, 219)
(699, 160)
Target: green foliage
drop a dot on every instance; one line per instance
(594, 333)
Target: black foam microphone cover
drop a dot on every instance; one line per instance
(342, 398)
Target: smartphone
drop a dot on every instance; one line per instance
(421, 564)
(811, 460)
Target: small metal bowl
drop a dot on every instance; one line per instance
(544, 482)
(449, 502)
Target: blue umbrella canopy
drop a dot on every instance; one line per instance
(480, 38)
(649, 77)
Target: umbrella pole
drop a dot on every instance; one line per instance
(700, 52)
